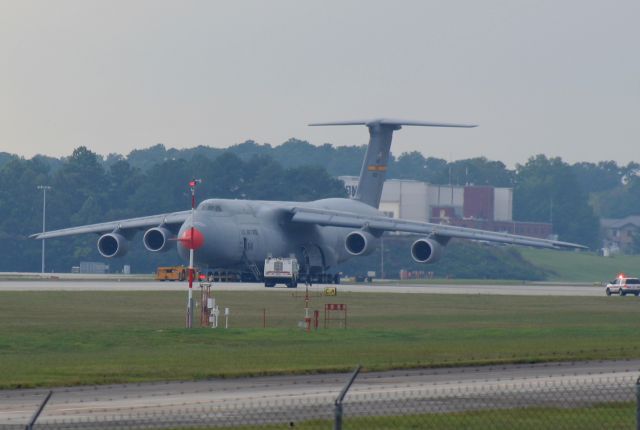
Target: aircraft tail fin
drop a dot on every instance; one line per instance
(374, 166)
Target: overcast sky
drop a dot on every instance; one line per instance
(555, 77)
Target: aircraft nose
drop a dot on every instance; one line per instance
(191, 241)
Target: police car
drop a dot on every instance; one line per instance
(623, 285)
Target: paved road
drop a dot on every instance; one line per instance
(126, 285)
(293, 398)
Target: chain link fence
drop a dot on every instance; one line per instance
(603, 402)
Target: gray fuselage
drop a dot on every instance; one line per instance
(237, 231)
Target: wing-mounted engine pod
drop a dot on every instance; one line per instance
(426, 250)
(113, 245)
(157, 239)
(359, 242)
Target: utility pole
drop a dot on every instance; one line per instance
(382, 257)
(44, 189)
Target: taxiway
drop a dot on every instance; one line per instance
(294, 398)
(378, 287)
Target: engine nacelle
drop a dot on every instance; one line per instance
(426, 251)
(359, 243)
(157, 239)
(112, 245)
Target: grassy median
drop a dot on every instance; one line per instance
(602, 416)
(581, 266)
(64, 338)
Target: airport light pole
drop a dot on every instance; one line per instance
(192, 186)
(44, 189)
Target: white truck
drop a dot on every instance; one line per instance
(278, 270)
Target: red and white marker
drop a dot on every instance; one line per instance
(192, 239)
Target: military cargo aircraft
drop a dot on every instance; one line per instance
(240, 234)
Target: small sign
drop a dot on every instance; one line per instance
(335, 307)
(331, 291)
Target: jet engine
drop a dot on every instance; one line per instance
(157, 239)
(359, 243)
(113, 245)
(426, 251)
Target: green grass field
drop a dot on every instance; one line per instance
(581, 266)
(60, 338)
(606, 416)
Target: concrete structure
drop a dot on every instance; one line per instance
(481, 207)
(93, 267)
(619, 234)
(503, 204)
(414, 200)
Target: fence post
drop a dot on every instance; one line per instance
(35, 416)
(337, 423)
(638, 403)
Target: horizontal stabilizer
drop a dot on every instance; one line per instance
(393, 122)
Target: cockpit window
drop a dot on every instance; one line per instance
(212, 207)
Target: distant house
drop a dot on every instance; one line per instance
(618, 234)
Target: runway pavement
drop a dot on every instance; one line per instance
(382, 287)
(294, 398)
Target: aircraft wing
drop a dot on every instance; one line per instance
(332, 218)
(125, 224)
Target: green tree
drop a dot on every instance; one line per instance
(479, 171)
(21, 213)
(597, 177)
(82, 177)
(546, 190)
(621, 201)
(413, 165)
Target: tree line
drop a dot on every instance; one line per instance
(89, 188)
(84, 191)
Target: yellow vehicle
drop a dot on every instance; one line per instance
(172, 273)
